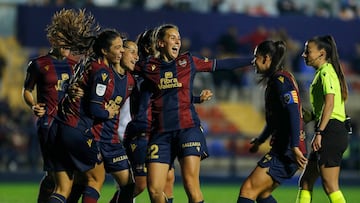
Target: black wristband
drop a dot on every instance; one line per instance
(318, 131)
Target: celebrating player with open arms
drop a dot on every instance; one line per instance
(138, 129)
(176, 130)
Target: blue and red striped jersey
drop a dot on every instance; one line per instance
(50, 76)
(171, 85)
(115, 91)
(75, 112)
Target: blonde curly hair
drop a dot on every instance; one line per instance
(74, 29)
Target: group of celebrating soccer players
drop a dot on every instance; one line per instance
(83, 84)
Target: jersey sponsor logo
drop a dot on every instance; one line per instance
(182, 62)
(192, 144)
(119, 158)
(115, 104)
(291, 97)
(169, 82)
(100, 89)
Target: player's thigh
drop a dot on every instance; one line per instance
(157, 175)
(259, 180)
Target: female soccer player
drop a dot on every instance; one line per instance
(283, 123)
(328, 93)
(176, 130)
(79, 118)
(138, 129)
(106, 132)
(50, 75)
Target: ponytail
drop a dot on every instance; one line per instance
(276, 50)
(328, 44)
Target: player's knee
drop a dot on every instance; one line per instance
(155, 192)
(249, 190)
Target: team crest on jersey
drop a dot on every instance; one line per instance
(104, 76)
(100, 89)
(291, 97)
(46, 68)
(153, 67)
(182, 62)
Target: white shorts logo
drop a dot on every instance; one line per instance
(100, 89)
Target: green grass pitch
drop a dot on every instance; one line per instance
(213, 193)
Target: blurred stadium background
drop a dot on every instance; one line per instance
(212, 28)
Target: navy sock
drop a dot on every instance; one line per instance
(90, 195)
(126, 193)
(57, 198)
(269, 199)
(170, 200)
(47, 186)
(76, 192)
(244, 200)
(115, 197)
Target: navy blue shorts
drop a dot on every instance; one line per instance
(280, 167)
(165, 147)
(136, 149)
(76, 149)
(114, 157)
(46, 137)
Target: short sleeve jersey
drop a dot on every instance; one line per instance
(171, 85)
(326, 82)
(50, 76)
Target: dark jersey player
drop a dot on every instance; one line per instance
(117, 90)
(78, 150)
(283, 123)
(50, 75)
(176, 130)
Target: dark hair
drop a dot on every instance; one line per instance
(327, 43)
(145, 43)
(104, 41)
(276, 50)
